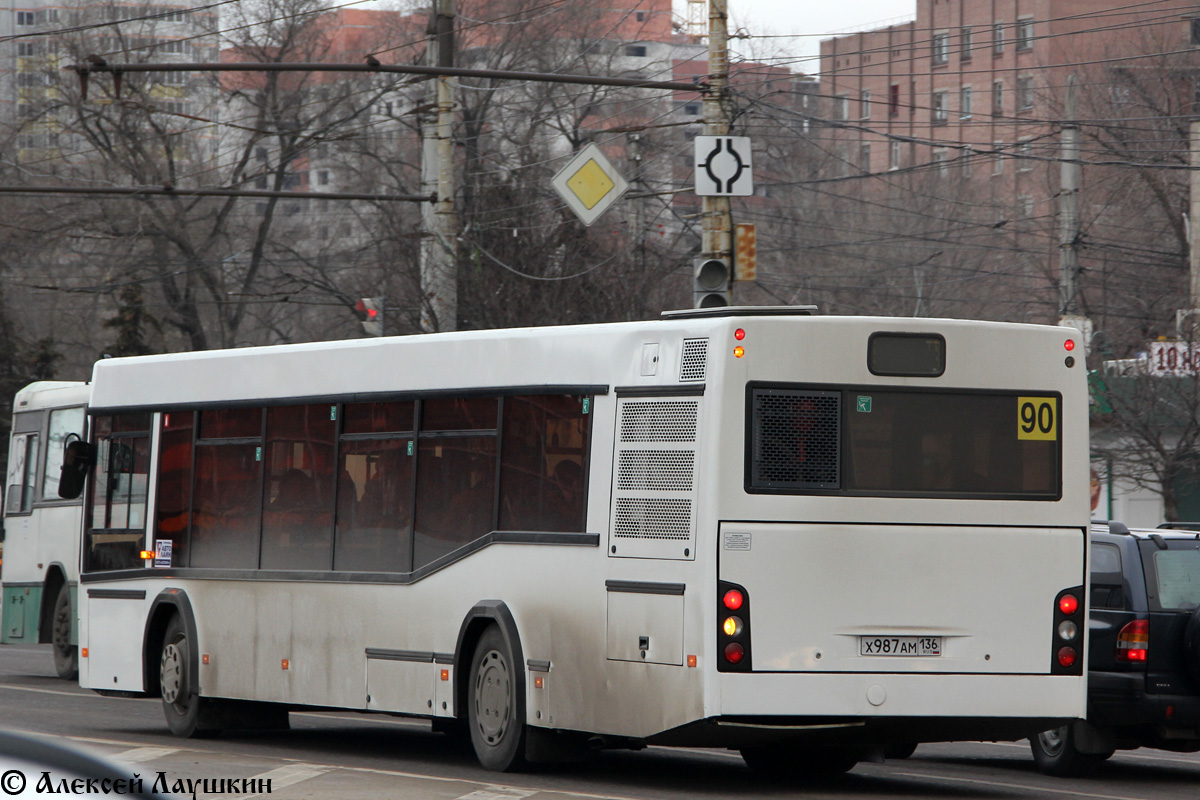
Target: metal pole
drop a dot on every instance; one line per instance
(716, 235)
(1068, 208)
(439, 265)
(1194, 216)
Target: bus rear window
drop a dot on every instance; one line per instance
(868, 441)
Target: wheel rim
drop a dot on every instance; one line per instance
(1052, 742)
(62, 629)
(173, 672)
(493, 698)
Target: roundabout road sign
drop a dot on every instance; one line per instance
(724, 166)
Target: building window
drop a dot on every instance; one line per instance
(322, 177)
(1025, 206)
(965, 103)
(636, 50)
(641, 16)
(965, 53)
(1024, 34)
(864, 105)
(895, 155)
(25, 18)
(998, 158)
(26, 49)
(1195, 31)
(894, 100)
(864, 157)
(941, 48)
(967, 161)
(998, 38)
(941, 161)
(692, 109)
(1025, 155)
(998, 97)
(1025, 93)
(939, 107)
(841, 107)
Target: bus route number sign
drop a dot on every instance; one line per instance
(1037, 418)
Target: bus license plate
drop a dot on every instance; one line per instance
(899, 645)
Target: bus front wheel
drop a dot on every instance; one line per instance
(66, 655)
(182, 704)
(495, 718)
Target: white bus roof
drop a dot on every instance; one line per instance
(51, 394)
(595, 357)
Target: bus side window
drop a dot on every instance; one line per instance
(22, 472)
(298, 509)
(542, 477)
(63, 423)
(226, 498)
(173, 510)
(116, 534)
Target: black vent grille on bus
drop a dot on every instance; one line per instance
(659, 421)
(695, 356)
(796, 439)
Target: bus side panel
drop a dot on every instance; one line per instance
(114, 660)
(901, 581)
(20, 613)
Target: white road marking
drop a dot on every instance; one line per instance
(498, 793)
(1035, 790)
(140, 755)
(44, 691)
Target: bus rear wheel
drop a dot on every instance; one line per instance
(1056, 754)
(66, 655)
(495, 718)
(182, 704)
(794, 762)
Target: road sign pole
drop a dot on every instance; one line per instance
(715, 237)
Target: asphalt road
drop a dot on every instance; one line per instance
(348, 755)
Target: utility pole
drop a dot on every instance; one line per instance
(1068, 208)
(716, 233)
(439, 263)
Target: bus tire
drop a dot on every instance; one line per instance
(66, 655)
(182, 704)
(1055, 753)
(495, 719)
(795, 762)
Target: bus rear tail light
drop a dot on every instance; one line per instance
(733, 628)
(1069, 625)
(1133, 642)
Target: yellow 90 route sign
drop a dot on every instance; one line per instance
(1037, 418)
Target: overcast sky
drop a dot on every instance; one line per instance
(814, 19)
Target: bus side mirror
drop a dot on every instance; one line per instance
(78, 457)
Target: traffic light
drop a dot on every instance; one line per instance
(712, 283)
(370, 313)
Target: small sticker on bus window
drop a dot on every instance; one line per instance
(1037, 419)
(410, 447)
(162, 552)
(333, 412)
(864, 404)
(737, 541)
(587, 402)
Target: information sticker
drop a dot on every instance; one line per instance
(1037, 418)
(162, 552)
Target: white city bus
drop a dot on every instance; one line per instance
(808, 538)
(41, 550)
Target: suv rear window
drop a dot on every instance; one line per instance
(1174, 576)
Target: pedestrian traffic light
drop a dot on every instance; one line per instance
(712, 283)
(370, 313)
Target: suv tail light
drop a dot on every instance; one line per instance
(733, 628)
(1069, 626)
(1133, 642)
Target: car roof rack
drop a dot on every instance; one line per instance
(1113, 526)
(1180, 526)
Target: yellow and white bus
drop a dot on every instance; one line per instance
(807, 538)
(41, 549)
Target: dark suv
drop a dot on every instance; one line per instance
(1144, 653)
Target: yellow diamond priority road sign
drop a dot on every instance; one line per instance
(589, 184)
